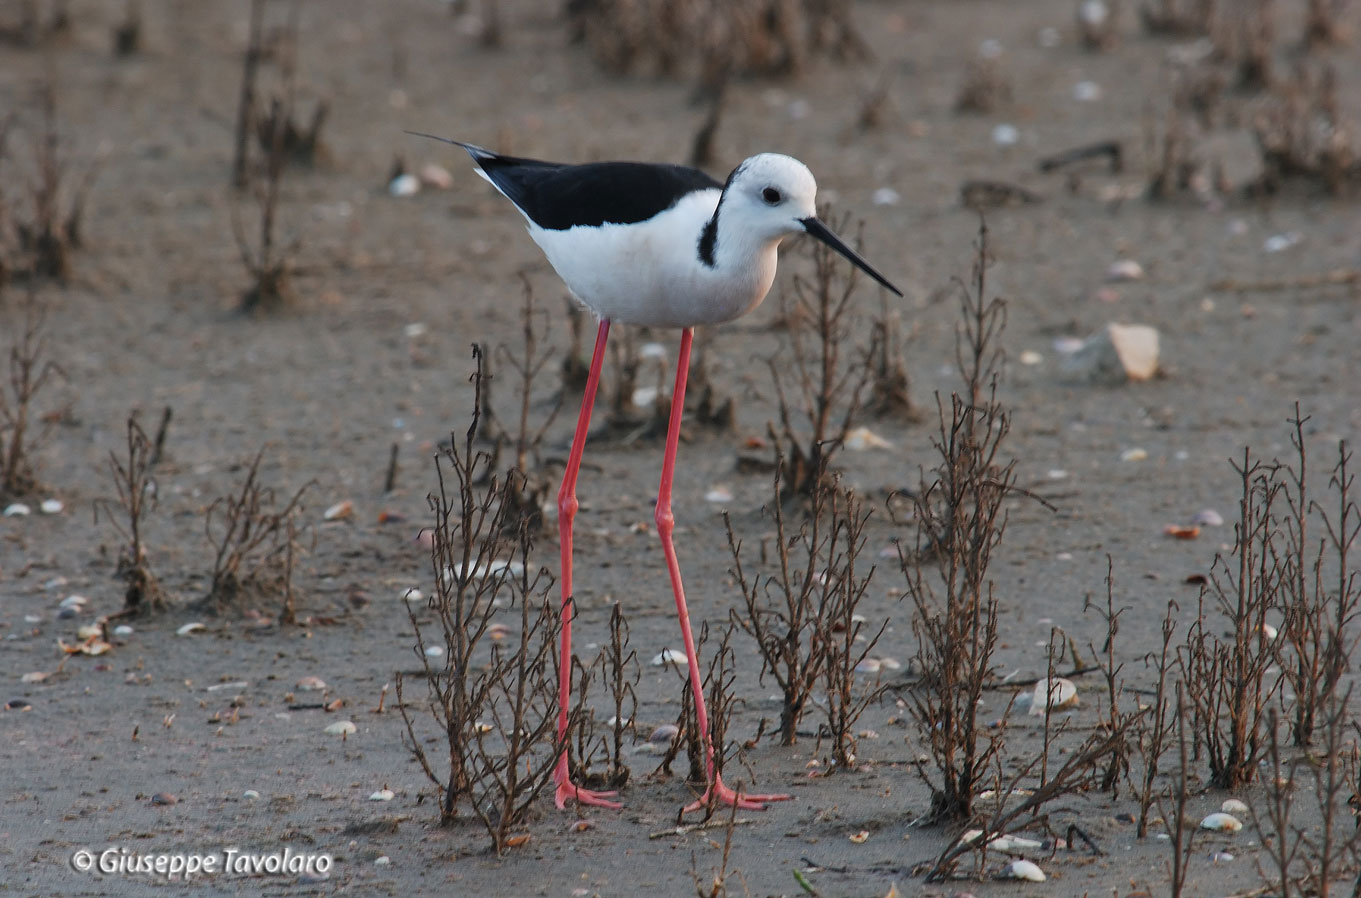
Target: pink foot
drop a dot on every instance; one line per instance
(723, 795)
(568, 791)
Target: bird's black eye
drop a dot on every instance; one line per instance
(771, 195)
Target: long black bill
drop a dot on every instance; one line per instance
(823, 233)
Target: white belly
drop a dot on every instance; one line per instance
(650, 273)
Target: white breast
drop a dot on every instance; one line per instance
(650, 273)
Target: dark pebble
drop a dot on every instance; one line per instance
(18, 704)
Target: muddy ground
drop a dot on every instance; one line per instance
(148, 320)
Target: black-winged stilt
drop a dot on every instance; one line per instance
(665, 246)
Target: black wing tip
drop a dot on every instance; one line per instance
(473, 149)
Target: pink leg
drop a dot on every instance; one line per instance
(666, 524)
(567, 512)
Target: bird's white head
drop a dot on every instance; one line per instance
(771, 196)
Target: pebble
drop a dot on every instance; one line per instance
(1125, 270)
(1058, 694)
(340, 511)
(436, 176)
(342, 728)
(1119, 353)
(18, 704)
(1222, 823)
(51, 506)
(1086, 91)
(164, 798)
(404, 185)
(1025, 870)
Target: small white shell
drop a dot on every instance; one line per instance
(1057, 694)
(122, 630)
(862, 438)
(1234, 806)
(89, 631)
(413, 595)
(17, 510)
(1135, 454)
(644, 396)
(339, 511)
(1031, 357)
(76, 602)
(1222, 823)
(404, 185)
(718, 494)
(190, 628)
(36, 676)
(1086, 91)
(1026, 870)
(311, 684)
(1125, 270)
(436, 176)
(1005, 135)
(51, 506)
(342, 728)
(250, 795)
(669, 656)
(383, 794)
(885, 196)
(1208, 518)
(1014, 844)
(434, 651)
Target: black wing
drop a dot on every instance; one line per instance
(557, 196)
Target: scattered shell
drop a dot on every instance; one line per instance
(580, 826)
(652, 351)
(96, 647)
(1057, 694)
(340, 511)
(1134, 454)
(51, 506)
(415, 330)
(718, 494)
(383, 794)
(234, 684)
(312, 877)
(122, 630)
(250, 795)
(36, 676)
(1119, 353)
(90, 631)
(404, 185)
(1269, 631)
(164, 798)
(860, 837)
(669, 656)
(434, 651)
(885, 196)
(18, 704)
(1067, 345)
(412, 595)
(17, 510)
(190, 628)
(1125, 270)
(1177, 531)
(1026, 870)
(483, 571)
(382, 861)
(517, 841)
(1278, 242)
(341, 728)
(645, 396)
(1005, 135)
(498, 632)
(1086, 91)
(664, 734)
(1220, 857)
(861, 438)
(436, 176)
(1234, 806)
(311, 684)
(869, 665)
(991, 48)
(1009, 844)
(1093, 13)
(1031, 357)
(76, 602)
(1208, 518)
(1222, 823)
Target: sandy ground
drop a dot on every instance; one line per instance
(330, 384)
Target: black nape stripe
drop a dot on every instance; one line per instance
(708, 238)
